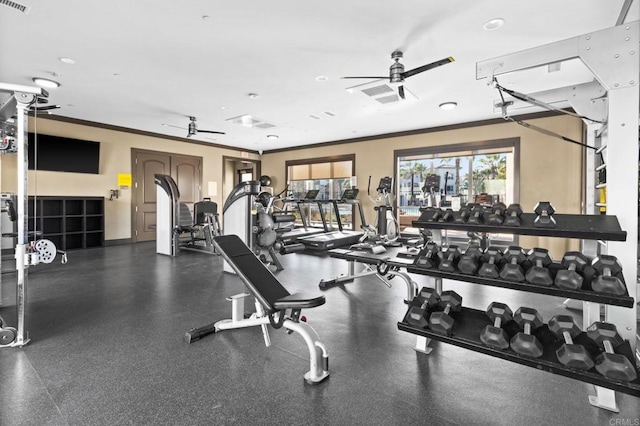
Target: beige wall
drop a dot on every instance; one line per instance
(550, 169)
(115, 157)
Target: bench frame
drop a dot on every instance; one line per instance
(281, 312)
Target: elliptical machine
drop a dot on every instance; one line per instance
(386, 231)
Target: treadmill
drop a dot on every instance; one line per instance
(292, 236)
(341, 237)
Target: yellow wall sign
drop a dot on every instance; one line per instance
(124, 179)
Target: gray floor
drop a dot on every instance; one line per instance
(107, 348)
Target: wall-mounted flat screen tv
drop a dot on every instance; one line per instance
(60, 154)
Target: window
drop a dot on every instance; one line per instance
(330, 176)
(476, 172)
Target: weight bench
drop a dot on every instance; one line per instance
(274, 305)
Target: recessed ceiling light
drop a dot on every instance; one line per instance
(205, 17)
(223, 107)
(67, 61)
(45, 82)
(322, 78)
(253, 96)
(448, 105)
(493, 24)
(272, 137)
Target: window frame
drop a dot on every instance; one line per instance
(328, 159)
(506, 143)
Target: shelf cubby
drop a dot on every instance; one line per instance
(69, 222)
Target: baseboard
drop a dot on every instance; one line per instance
(118, 242)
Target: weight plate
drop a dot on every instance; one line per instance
(46, 250)
(7, 336)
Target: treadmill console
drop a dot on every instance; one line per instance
(385, 185)
(350, 194)
(311, 194)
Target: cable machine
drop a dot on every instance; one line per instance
(611, 102)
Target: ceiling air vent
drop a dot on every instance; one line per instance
(378, 90)
(248, 120)
(17, 6)
(388, 99)
(381, 91)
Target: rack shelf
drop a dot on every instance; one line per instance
(586, 295)
(588, 227)
(466, 334)
(69, 222)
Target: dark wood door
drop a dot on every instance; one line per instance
(147, 164)
(185, 170)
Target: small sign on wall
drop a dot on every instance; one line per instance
(124, 180)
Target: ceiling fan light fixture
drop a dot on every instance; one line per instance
(493, 24)
(448, 105)
(45, 82)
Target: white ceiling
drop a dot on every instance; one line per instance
(139, 64)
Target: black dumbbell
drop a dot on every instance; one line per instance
(608, 363)
(428, 256)
(493, 335)
(462, 215)
(512, 271)
(442, 322)
(419, 311)
(608, 282)
(545, 212)
(569, 354)
(431, 214)
(570, 278)
(450, 259)
(477, 214)
(539, 273)
(512, 215)
(447, 216)
(526, 343)
(469, 261)
(496, 217)
(490, 259)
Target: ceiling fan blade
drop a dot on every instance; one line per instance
(46, 108)
(387, 77)
(211, 131)
(427, 67)
(401, 91)
(171, 125)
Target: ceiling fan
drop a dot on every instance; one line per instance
(397, 74)
(41, 107)
(192, 128)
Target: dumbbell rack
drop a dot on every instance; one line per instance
(470, 322)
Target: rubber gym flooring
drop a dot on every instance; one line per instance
(107, 348)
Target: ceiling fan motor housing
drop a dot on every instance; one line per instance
(396, 70)
(192, 130)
